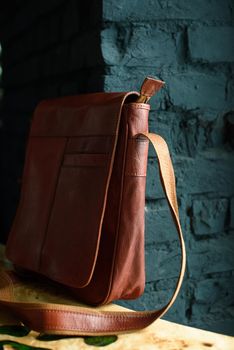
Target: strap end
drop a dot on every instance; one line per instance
(149, 88)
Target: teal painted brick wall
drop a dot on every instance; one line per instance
(189, 44)
(60, 47)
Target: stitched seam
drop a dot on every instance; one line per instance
(107, 328)
(137, 106)
(120, 316)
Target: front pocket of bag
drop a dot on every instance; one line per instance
(85, 160)
(73, 233)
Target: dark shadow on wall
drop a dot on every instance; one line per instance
(49, 49)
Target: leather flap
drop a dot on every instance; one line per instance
(67, 172)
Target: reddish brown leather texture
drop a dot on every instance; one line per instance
(80, 219)
(76, 320)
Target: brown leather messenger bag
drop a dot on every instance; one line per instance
(80, 220)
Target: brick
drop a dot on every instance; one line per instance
(200, 134)
(210, 173)
(213, 173)
(138, 45)
(209, 216)
(213, 307)
(191, 134)
(155, 10)
(162, 123)
(230, 94)
(211, 256)
(192, 90)
(217, 133)
(166, 284)
(185, 134)
(215, 291)
(188, 133)
(232, 213)
(111, 49)
(159, 226)
(229, 129)
(211, 44)
(161, 262)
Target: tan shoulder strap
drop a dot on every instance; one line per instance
(74, 320)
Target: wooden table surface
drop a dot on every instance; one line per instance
(160, 335)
